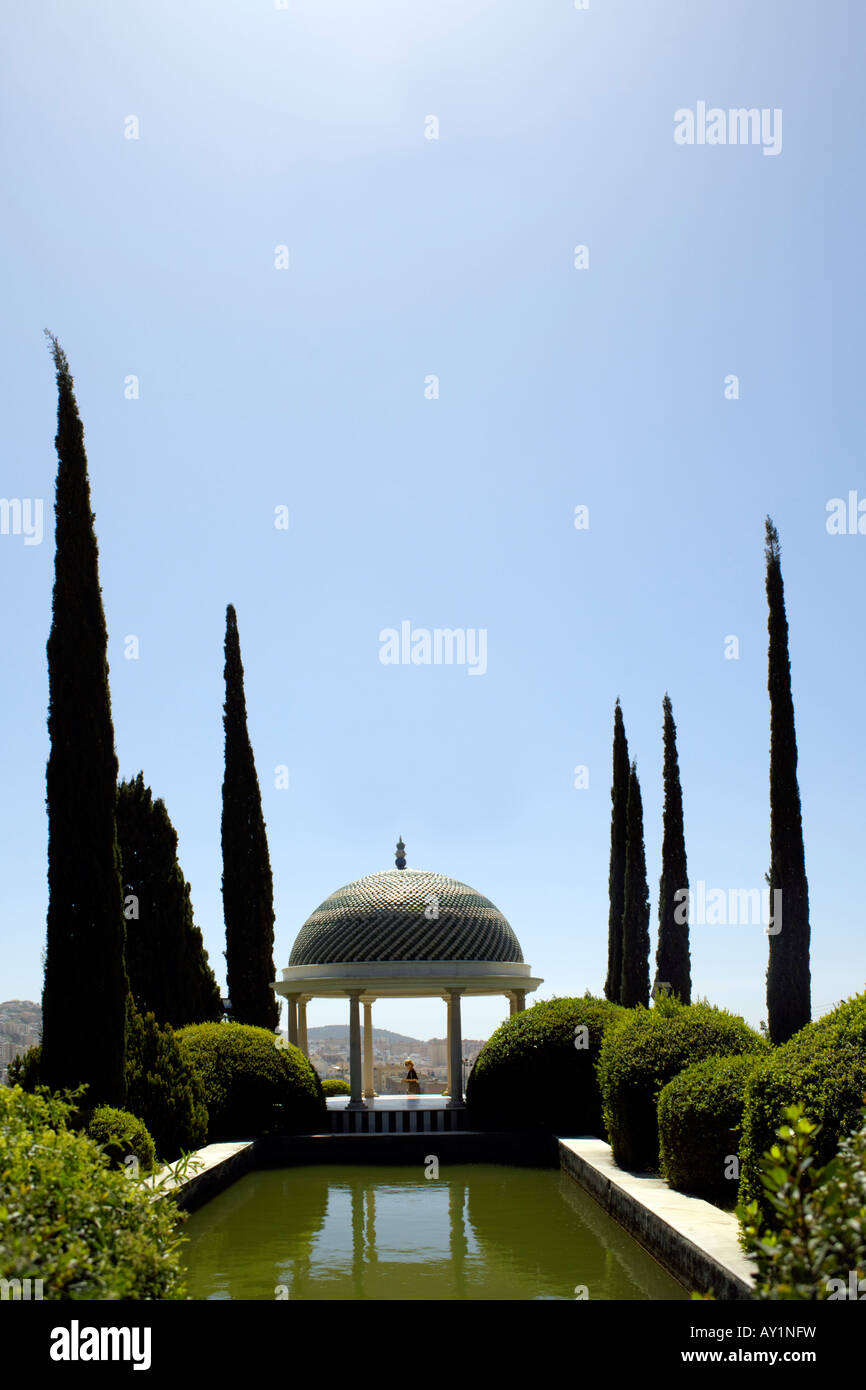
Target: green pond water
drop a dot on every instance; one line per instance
(478, 1231)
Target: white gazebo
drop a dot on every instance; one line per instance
(402, 934)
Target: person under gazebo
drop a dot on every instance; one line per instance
(411, 1078)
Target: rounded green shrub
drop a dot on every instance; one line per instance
(162, 1087)
(336, 1086)
(700, 1119)
(69, 1221)
(648, 1050)
(120, 1136)
(537, 1071)
(254, 1081)
(823, 1068)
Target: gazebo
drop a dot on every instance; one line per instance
(403, 933)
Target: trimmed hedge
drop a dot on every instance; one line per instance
(648, 1050)
(533, 1074)
(700, 1119)
(823, 1068)
(120, 1135)
(254, 1081)
(336, 1086)
(162, 1089)
(85, 1231)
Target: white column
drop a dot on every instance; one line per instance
(448, 1048)
(302, 1026)
(512, 1004)
(455, 1052)
(293, 1019)
(369, 1092)
(355, 1100)
(519, 1000)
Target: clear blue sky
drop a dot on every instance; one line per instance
(305, 127)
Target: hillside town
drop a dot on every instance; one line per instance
(21, 1027)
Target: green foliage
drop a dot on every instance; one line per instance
(673, 965)
(167, 964)
(25, 1070)
(635, 988)
(700, 1117)
(666, 1005)
(535, 1073)
(121, 1135)
(335, 1086)
(616, 873)
(647, 1051)
(84, 992)
(248, 891)
(788, 974)
(67, 1219)
(254, 1082)
(823, 1067)
(818, 1247)
(163, 1088)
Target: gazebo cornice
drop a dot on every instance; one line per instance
(407, 979)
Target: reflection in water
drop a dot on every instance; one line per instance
(479, 1231)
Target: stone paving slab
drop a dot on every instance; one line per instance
(212, 1169)
(696, 1241)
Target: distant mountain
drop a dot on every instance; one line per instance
(340, 1033)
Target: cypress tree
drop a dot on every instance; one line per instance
(248, 894)
(788, 976)
(672, 952)
(85, 987)
(635, 987)
(616, 875)
(167, 964)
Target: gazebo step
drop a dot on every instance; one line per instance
(415, 1121)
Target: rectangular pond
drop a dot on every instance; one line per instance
(476, 1231)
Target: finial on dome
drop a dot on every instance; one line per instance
(401, 854)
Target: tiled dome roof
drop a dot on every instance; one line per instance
(382, 917)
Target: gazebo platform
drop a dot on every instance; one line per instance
(395, 1115)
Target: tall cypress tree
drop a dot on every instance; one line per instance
(672, 952)
(788, 977)
(248, 894)
(616, 875)
(635, 988)
(85, 987)
(167, 964)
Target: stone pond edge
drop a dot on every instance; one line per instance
(693, 1240)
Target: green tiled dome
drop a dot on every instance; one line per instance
(382, 917)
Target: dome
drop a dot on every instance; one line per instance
(384, 917)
